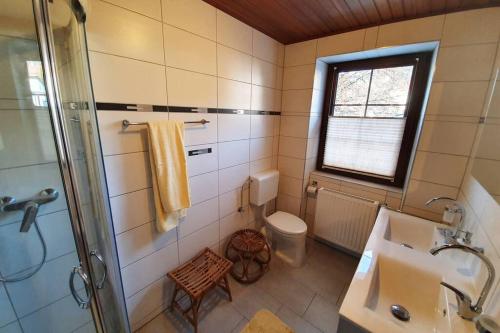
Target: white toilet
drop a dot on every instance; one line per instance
(286, 232)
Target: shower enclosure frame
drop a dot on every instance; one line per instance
(57, 116)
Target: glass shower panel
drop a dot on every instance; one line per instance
(34, 264)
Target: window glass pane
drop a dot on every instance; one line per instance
(352, 87)
(349, 111)
(387, 111)
(390, 85)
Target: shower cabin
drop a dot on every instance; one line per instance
(59, 268)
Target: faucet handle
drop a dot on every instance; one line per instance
(464, 303)
(463, 297)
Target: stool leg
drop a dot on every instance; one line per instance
(228, 290)
(174, 296)
(195, 306)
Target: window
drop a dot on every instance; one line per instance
(370, 117)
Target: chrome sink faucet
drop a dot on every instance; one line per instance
(459, 235)
(465, 308)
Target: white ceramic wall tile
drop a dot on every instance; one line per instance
(233, 127)
(265, 48)
(233, 64)
(298, 77)
(191, 89)
(233, 153)
(263, 99)
(291, 186)
(203, 187)
(262, 165)
(263, 73)
(157, 265)
(489, 147)
(279, 78)
(132, 209)
(142, 241)
(233, 33)
(471, 26)
(151, 8)
(293, 147)
(196, 134)
(411, 31)
(229, 202)
(199, 216)
(185, 50)
(114, 30)
(370, 41)
(147, 300)
(447, 137)
(121, 80)
(232, 223)
(293, 167)
(439, 168)
(457, 98)
(233, 94)
(288, 204)
(297, 101)
(294, 126)
(192, 15)
(301, 53)
(341, 43)
(314, 126)
(203, 163)
(127, 172)
(189, 246)
(312, 147)
(465, 63)
(261, 148)
(261, 126)
(233, 177)
(420, 192)
(6, 312)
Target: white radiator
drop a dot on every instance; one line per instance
(343, 219)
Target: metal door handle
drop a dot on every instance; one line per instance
(100, 283)
(82, 303)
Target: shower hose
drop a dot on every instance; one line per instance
(37, 267)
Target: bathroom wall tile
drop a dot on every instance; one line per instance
(233, 222)
(276, 125)
(233, 177)
(48, 319)
(6, 312)
(203, 163)
(132, 209)
(233, 33)
(151, 8)
(363, 191)
(279, 78)
(156, 265)
(341, 43)
(277, 101)
(457, 98)
(114, 30)
(486, 172)
(314, 126)
(291, 186)
(263, 73)
(120, 169)
(465, 63)
(265, 48)
(233, 64)
(233, 94)
(411, 31)
(447, 137)
(233, 153)
(301, 53)
(261, 126)
(292, 147)
(142, 241)
(190, 245)
(229, 202)
(489, 147)
(197, 134)
(203, 187)
(371, 35)
(288, 204)
(298, 77)
(263, 99)
(294, 126)
(471, 26)
(191, 89)
(439, 168)
(185, 50)
(262, 165)
(419, 192)
(199, 216)
(289, 166)
(297, 101)
(261, 148)
(233, 127)
(121, 80)
(194, 16)
(312, 147)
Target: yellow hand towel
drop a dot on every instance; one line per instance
(169, 172)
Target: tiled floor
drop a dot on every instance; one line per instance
(306, 298)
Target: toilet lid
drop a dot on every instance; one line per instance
(287, 223)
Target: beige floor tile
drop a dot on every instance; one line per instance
(252, 299)
(298, 324)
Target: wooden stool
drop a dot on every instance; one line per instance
(196, 277)
(250, 253)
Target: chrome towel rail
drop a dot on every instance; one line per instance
(126, 123)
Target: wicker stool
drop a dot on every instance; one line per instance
(196, 277)
(250, 254)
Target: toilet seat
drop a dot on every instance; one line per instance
(287, 223)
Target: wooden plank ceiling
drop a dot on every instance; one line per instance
(291, 21)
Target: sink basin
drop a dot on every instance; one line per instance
(411, 232)
(419, 291)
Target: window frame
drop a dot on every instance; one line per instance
(416, 97)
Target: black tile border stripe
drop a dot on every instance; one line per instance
(105, 106)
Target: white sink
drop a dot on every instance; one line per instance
(396, 283)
